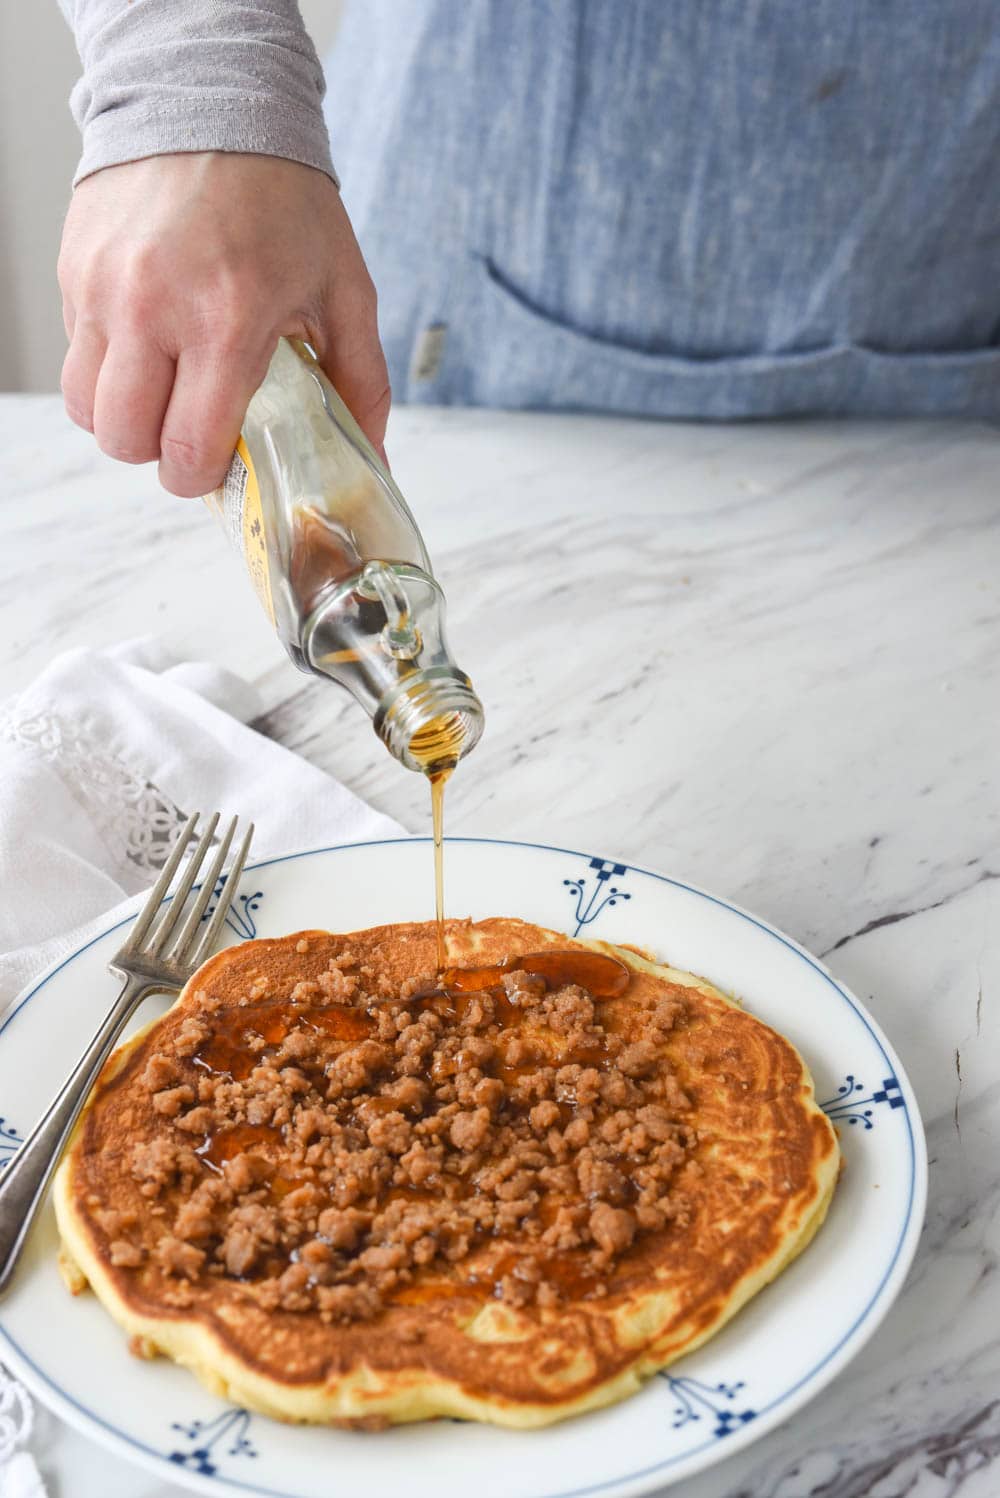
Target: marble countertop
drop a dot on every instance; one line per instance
(764, 658)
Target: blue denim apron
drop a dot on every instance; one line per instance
(689, 208)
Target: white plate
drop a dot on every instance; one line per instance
(778, 1353)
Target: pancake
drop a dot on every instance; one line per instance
(341, 1188)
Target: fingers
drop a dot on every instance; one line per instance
(361, 378)
(80, 370)
(212, 388)
(133, 390)
(175, 288)
(352, 355)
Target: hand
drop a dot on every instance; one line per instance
(179, 273)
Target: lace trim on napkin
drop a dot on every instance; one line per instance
(137, 821)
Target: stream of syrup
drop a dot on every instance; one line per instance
(438, 783)
(436, 748)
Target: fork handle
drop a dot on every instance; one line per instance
(23, 1182)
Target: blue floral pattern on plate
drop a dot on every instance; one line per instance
(590, 902)
(847, 1107)
(242, 912)
(209, 1439)
(9, 1141)
(699, 1401)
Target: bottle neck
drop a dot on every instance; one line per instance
(430, 720)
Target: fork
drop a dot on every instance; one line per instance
(153, 960)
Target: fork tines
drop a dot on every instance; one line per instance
(154, 940)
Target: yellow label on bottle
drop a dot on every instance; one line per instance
(243, 515)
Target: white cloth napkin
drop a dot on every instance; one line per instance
(102, 759)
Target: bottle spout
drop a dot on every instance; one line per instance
(431, 721)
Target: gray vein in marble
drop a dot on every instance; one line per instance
(877, 922)
(952, 1452)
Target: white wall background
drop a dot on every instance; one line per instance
(39, 147)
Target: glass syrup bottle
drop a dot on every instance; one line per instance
(342, 571)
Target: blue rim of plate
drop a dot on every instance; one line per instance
(828, 1366)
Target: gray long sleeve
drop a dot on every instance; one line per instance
(196, 75)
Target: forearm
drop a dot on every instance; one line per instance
(162, 76)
